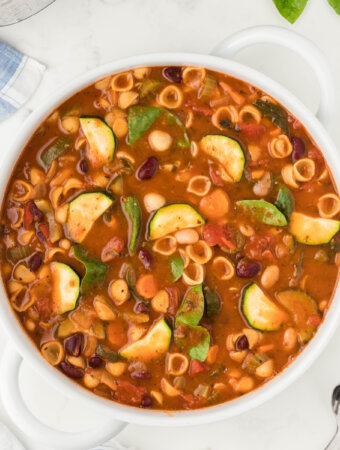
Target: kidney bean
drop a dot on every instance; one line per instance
(242, 343)
(298, 148)
(141, 308)
(145, 257)
(35, 261)
(141, 375)
(146, 401)
(148, 169)
(247, 268)
(95, 362)
(38, 215)
(73, 344)
(71, 371)
(173, 74)
(83, 166)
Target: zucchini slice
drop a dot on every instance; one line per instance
(65, 287)
(301, 306)
(312, 230)
(227, 152)
(101, 140)
(260, 311)
(83, 211)
(153, 345)
(264, 212)
(173, 217)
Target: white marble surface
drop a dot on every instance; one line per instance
(75, 35)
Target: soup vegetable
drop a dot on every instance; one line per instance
(169, 238)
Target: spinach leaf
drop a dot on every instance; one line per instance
(285, 201)
(133, 214)
(275, 113)
(107, 354)
(200, 350)
(171, 118)
(131, 279)
(212, 300)
(95, 271)
(54, 151)
(177, 267)
(264, 212)
(290, 9)
(335, 4)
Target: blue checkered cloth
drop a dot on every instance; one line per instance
(20, 76)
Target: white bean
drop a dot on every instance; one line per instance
(188, 236)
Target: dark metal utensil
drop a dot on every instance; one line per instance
(335, 441)
(13, 11)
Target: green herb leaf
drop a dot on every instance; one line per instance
(192, 308)
(335, 4)
(133, 214)
(264, 212)
(131, 279)
(200, 351)
(285, 201)
(275, 113)
(185, 141)
(291, 9)
(95, 271)
(212, 300)
(177, 267)
(54, 151)
(107, 354)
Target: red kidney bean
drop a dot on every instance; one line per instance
(73, 344)
(298, 148)
(146, 402)
(95, 362)
(38, 215)
(145, 257)
(83, 166)
(242, 343)
(141, 308)
(247, 268)
(71, 371)
(35, 261)
(148, 169)
(173, 74)
(140, 375)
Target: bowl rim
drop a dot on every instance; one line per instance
(30, 353)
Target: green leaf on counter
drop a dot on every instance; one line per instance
(290, 9)
(335, 4)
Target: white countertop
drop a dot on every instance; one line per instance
(71, 36)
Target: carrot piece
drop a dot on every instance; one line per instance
(314, 320)
(117, 333)
(146, 286)
(215, 205)
(236, 96)
(212, 354)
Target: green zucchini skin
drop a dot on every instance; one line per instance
(313, 230)
(66, 287)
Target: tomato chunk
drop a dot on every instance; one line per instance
(252, 131)
(196, 367)
(215, 234)
(129, 393)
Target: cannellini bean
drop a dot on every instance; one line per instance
(65, 244)
(120, 127)
(238, 356)
(116, 369)
(70, 124)
(186, 236)
(119, 291)
(245, 384)
(160, 301)
(266, 369)
(289, 339)
(90, 381)
(153, 201)
(270, 276)
(30, 325)
(160, 141)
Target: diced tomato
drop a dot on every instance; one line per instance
(252, 131)
(129, 393)
(215, 176)
(43, 307)
(317, 157)
(196, 367)
(113, 248)
(192, 401)
(259, 248)
(215, 234)
(205, 110)
(314, 320)
(28, 216)
(297, 125)
(45, 233)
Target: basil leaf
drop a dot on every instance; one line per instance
(171, 118)
(131, 282)
(54, 151)
(200, 351)
(275, 113)
(335, 4)
(133, 214)
(95, 271)
(264, 212)
(285, 201)
(212, 300)
(107, 354)
(192, 308)
(177, 267)
(290, 9)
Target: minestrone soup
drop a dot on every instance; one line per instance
(169, 238)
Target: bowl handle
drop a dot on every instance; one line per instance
(23, 418)
(230, 46)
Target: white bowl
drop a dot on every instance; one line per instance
(116, 413)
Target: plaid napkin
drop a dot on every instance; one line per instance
(20, 76)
